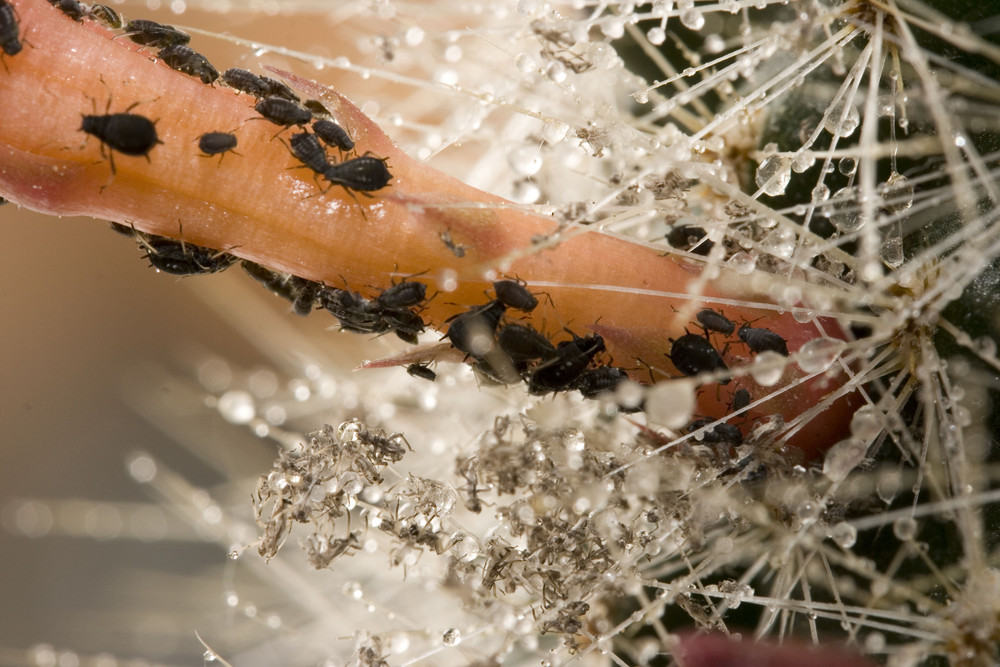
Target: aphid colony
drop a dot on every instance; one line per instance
(135, 135)
(500, 351)
(507, 352)
(694, 355)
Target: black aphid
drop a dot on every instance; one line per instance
(762, 340)
(365, 174)
(571, 360)
(421, 371)
(403, 295)
(184, 259)
(10, 32)
(216, 143)
(596, 381)
(307, 149)
(107, 15)
(515, 295)
(280, 111)
(2, 201)
(474, 332)
(157, 35)
(355, 312)
(715, 321)
(720, 434)
(188, 61)
(406, 324)
(689, 237)
(316, 107)
(127, 133)
(333, 135)
(244, 81)
(70, 8)
(275, 88)
(523, 343)
(693, 354)
(301, 292)
(741, 399)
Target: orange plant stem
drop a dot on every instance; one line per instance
(256, 207)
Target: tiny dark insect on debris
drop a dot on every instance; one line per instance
(10, 35)
(333, 135)
(720, 434)
(402, 295)
(275, 88)
(126, 133)
(473, 332)
(244, 81)
(693, 354)
(740, 399)
(712, 320)
(457, 249)
(156, 35)
(421, 371)
(188, 61)
(216, 143)
(71, 8)
(364, 174)
(107, 15)
(307, 149)
(280, 111)
(2, 201)
(515, 295)
(762, 340)
(691, 238)
(571, 360)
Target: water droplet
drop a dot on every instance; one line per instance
(808, 511)
(803, 161)
(525, 160)
(844, 212)
(237, 407)
(554, 131)
(768, 368)
(670, 403)
(904, 528)
(464, 547)
(613, 27)
(556, 72)
(641, 96)
(414, 36)
(743, 263)
(573, 440)
(452, 637)
(834, 125)
(353, 590)
(847, 166)
(773, 175)
(865, 424)
(818, 354)
(780, 242)
(844, 535)
(525, 62)
(209, 655)
(897, 193)
(891, 252)
(842, 458)
(656, 36)
(527, 8)
(693, 19)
